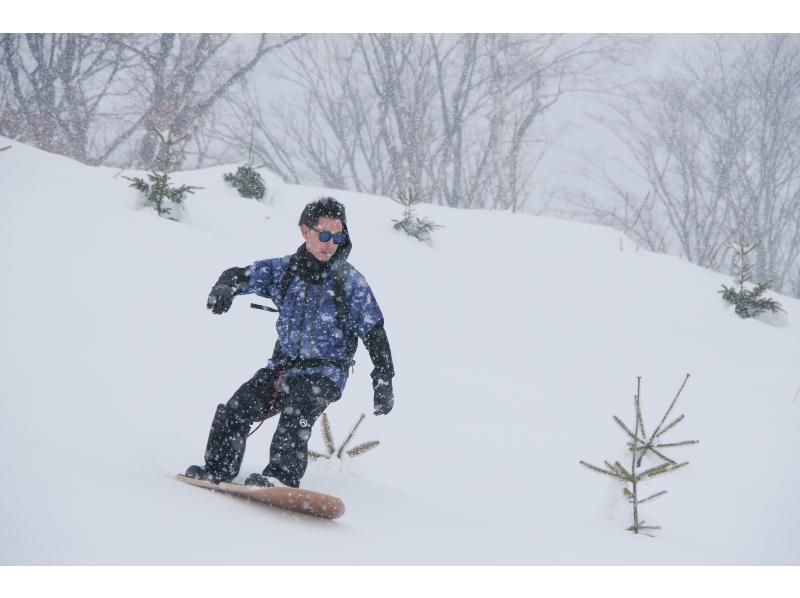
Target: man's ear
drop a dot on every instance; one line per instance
(304, 231)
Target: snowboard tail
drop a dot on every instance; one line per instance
(299, 500)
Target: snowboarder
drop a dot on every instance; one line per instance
(325, 305)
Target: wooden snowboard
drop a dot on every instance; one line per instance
(303, 501)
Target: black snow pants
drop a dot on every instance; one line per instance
(299, 400)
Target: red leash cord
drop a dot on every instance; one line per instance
(271, 409)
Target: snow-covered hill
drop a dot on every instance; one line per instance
(515, 338)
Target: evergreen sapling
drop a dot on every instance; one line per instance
(640, 445)
(411, 224)
(330, 445)
(748, 303)
(247, 181)
(159, 190)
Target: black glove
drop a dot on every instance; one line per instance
(384, 395)
(231, 282)
(377, 345)
(220, 299)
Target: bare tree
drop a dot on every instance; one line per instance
(182, 78)
(399, 72)
(54, 87)
(767, 201)
(100, 98)
(250, 131)
(332, 121)
(511, 94)
(685, 159)
(715, 142)
(454, 117)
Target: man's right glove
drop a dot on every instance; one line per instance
(231, 282)
(384, 395)
(220, 299)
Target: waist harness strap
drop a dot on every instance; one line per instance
(301, 363)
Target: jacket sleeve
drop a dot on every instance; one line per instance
(263, 278)
(368, 323)
(377, 345)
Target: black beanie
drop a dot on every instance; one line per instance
(326, 207)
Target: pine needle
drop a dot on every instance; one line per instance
(599, 469)
(638, 403)
(654, 471)
(663, 468)
(624, 472)
(363, 448)
(652, 496)
(675, 400)
(672, 424)
(327, 435)
(660, 455)
(350, 435)
(633, 436)
(684, 443)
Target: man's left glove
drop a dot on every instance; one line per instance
(377, 345)
(384, 395)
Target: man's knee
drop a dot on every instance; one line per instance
(309, 395)
(253, 398)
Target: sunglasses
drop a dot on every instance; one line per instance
(325, 236)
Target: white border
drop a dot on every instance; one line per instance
(369, 582)
(569, 16)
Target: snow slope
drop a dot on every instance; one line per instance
(515, 338)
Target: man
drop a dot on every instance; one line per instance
(325, 305)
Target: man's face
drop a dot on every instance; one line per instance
(323, 251)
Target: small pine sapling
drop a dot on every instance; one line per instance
(247, 181)
(639, 445)
(748, 303)
(158, 191)
(411, 224)
(330, 445)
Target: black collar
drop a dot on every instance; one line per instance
(307, 267)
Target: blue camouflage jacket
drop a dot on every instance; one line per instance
(309, 326)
